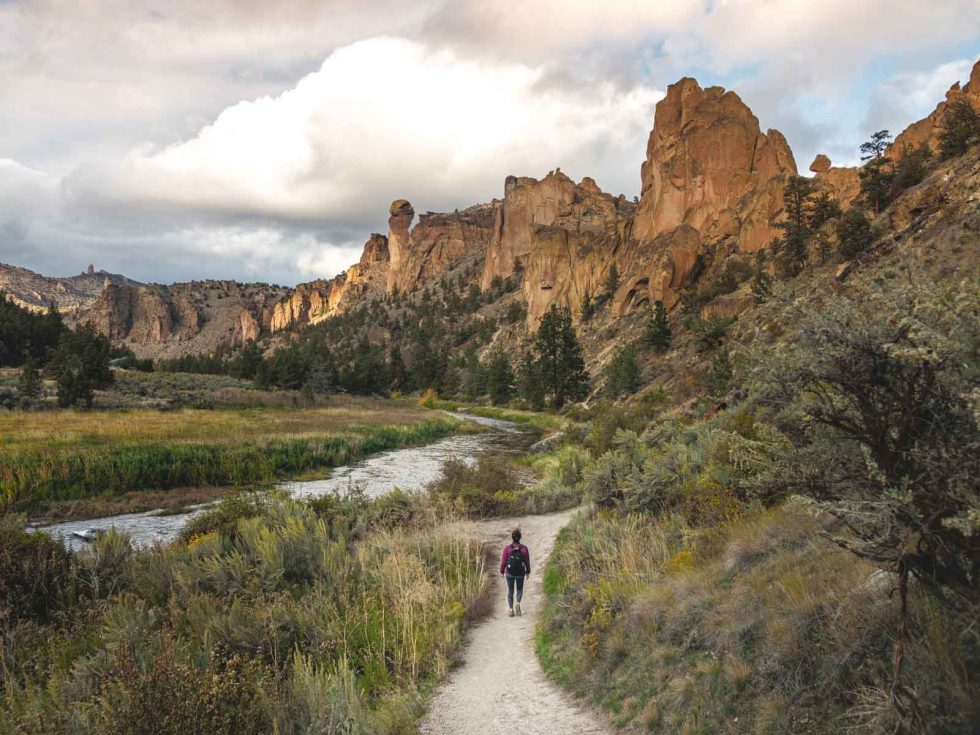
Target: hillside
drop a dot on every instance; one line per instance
(710, 211)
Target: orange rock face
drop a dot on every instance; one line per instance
(317, 300)
(565, 236)
(437, 241)
(929, 129)
(709, 166)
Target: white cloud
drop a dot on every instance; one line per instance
(383, 119)
(912, 95)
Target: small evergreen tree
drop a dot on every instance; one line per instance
(612, 281)
(961, 129)
(29, 381)
(853, 233)
(529, 381)
(500, 379)
(792, 248)
(588, 307)
(719, 377)
(559, 357)
(761, 279)
(658, 334)
(876, 175)
(624, 372)
(911, 167)
(74, 384)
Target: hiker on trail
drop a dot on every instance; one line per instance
(515, 564)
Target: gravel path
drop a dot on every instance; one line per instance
(501, 688)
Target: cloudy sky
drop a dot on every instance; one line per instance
(256, 140)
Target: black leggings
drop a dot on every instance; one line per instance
(511, 582)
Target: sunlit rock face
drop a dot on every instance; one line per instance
(709, 166)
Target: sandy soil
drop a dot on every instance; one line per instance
(500, 687)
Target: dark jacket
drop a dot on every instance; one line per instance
(506, 555)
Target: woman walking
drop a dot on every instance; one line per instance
(515, 565)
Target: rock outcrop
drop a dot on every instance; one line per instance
(423, 253)
(929, 129)
(709, 166)
(315, 301)
(68, 295)
(399, 222)
(141, 314)
(820, 164)
(842, 182)
(564, 236)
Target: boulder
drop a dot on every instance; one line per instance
(820, 163)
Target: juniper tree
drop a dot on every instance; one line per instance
(29, 380)
(624, 372)
(961, 128)
(612, 280)
(500, 378)
(657, 334)
(876, 175)
(559, 357)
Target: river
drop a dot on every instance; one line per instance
(411, 468)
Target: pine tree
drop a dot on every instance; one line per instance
(473, 377)
(74, 385)
(612, 281)
(792, 248)
(961, 129)
(588, 307)
(876, 175)
(719, 376)
(500, 379)
(559, 357)
(761, 279)
(658, 333)
(624, 372)
(397, 374)
(529, 381)
(29, 381)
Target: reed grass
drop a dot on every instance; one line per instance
(51, 456)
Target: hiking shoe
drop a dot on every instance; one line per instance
(510, 613)
(517, 608)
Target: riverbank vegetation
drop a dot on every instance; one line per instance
(47, 457)
(802, 557)
(273, 616)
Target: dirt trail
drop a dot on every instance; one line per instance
(500, 687)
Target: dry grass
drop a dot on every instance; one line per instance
(768, 628)
(56, 430)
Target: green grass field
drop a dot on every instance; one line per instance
(51, 456)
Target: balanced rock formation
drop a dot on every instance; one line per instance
(841, 182)
(399, 222)
(709, 166)
(929, 129)
(820, 164)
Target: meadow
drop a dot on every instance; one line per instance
(51, 456)
(272, 616)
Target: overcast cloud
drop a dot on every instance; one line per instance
(264, 141)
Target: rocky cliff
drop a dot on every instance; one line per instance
(711, 196)
(68, 295)
(929, 128)
(182, 318)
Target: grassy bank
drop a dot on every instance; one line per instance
(281, 617)
(51, 456)
(766, 628)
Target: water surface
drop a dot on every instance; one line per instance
(411, 468)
